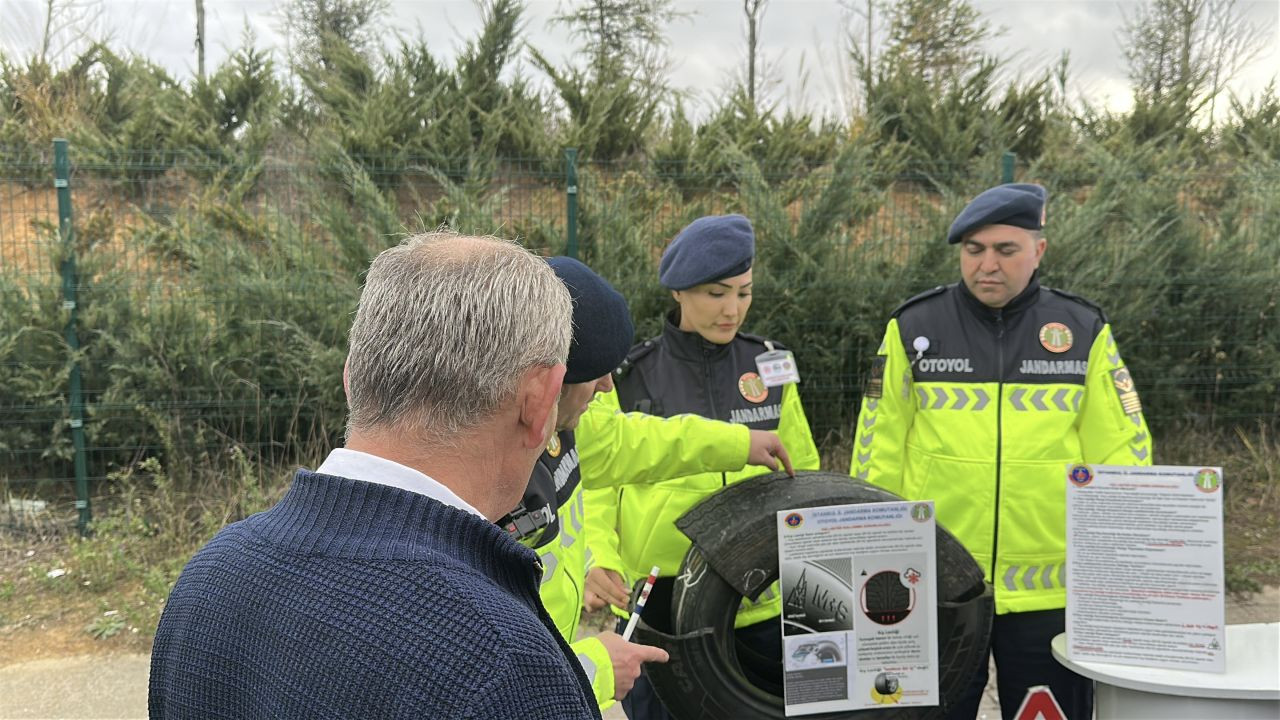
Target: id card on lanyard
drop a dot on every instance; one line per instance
(777, 367)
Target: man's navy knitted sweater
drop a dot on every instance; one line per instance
(350, 599)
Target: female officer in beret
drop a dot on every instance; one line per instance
(700, 364)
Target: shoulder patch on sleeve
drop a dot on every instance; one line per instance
(639, 350)
(917, 298)
(874, 387)
(762, 340)
(1126, 390)
(1076, 298)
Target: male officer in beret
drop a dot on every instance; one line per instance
(981, 394)
(551, 513)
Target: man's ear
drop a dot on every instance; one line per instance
(538, 393)
(346, 379)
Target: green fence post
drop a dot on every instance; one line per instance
(1006, 167)
(571, 192)
(62, 181)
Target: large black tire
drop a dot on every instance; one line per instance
(735, 554)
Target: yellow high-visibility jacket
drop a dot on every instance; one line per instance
(622, 449)
(982, 410)
(630, 529)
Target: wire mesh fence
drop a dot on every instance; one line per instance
(212, 298)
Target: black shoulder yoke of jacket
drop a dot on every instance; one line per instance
(762, 340)
(1082, 301)
(922, 296)
(638, 351)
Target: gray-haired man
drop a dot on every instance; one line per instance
(379, 585)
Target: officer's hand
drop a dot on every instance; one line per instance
(605, 587)
(627, 658)
(767, 450)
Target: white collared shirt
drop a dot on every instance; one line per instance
(356, 465)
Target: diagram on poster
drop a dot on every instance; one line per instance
(1144, 551)
(819, 596)
(859, 609)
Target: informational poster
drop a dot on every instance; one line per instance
(1144, 564)
(859, 606)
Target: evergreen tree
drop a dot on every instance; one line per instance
(937, 41)
(1181, 54)
(613, 101)
(932, 87)
(620, 34)
(313, 25)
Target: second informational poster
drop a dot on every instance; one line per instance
(859, 606)
(1144, 550)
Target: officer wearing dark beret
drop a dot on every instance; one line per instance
(982, 392)
(602, 333)
(701, 364)
(1000, 235)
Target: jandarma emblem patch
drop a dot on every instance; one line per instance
(1126, 390)
(752, 387)
(553, 447)
(1056, 337)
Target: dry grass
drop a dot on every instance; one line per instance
(106, 225)
(25, 216)
(44, 617)
(108, 590)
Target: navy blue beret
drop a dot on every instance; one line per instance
(602, 327)
(1017, 204)
(710, 248)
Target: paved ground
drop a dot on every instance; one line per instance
(115, 686)
(84, 686)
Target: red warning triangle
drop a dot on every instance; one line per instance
(1040, 704)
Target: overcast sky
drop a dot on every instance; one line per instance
(802, 40)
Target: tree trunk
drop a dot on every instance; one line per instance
(753, 9)
(200, 40)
